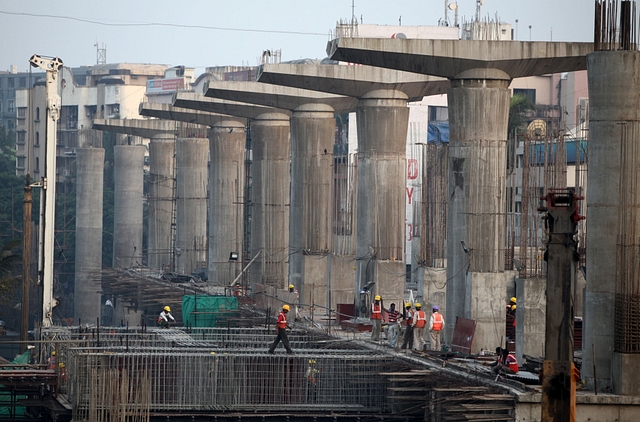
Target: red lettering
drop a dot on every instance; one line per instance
(410, 227)
(409, 195)
(412, 168)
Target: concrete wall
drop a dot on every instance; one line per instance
(192, 157)
(127, 210)
(88, 276)
(530, 317)
(486, 296)
(226, 197)
(343, 271)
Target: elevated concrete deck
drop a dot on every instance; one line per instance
(452, 58)
(179, 114)
(135, 127)
(193, 101)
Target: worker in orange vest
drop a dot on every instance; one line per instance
(419, 322)
(376, 318)
(281, 330)
(436, 323)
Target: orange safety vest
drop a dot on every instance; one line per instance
(282, 320)
(376, 311)
(421, 319)
(437, 321)
(512, 362)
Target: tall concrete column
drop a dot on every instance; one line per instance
(382, 118)
(312, 139)
(227, 140)
(127, 209)
(610, 342)
(476, 286)
(271, 179)
(89, 191)
(192, 156)
(160, 200)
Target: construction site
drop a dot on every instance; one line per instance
(254, 217)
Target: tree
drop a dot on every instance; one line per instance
(9, 265)
(518, 108)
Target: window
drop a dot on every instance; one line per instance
(37, 164)
(438, 114)
(23, 82)
(0, 103)
(114, 109)
(529, 94)
(37, 114)
(20, 162)
(519, 159)
(22, 112)
(11, 106)
(20, 137)
(10, 83)
(37, 142)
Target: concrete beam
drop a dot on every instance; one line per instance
(454, 58)
(200, 102)
(352, 81)
(282, 97)
(169, 112)
(135, 127)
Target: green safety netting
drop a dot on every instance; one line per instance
(208, 311)
(5, 396)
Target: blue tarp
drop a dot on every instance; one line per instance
(438, 133)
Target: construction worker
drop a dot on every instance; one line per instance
(436, 323)
(392, 331)
(51, 362)
(407, 340)
(164, 317)
(419, 322)
(511, 307)
(376, 318)
(504, 363)
(296, 301)
(281, 330)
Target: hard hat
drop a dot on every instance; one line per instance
(513, 299)
(61, 365)
(53, 353)
(168, 309)
(418, 305)
(312, 361)
(291, 286)
(436, 308)
(285, 307)
(407, 305)
(377, 297)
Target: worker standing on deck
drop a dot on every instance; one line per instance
(436, 323)
(164, 317)
(281, 330)
(392, 331)
(296, 302)
(376, 318)
(407, 340)
(419, 322)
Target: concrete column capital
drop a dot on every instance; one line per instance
(314, 111)
(228, 126)
(164, 136)
(483, 74)
(272, 119)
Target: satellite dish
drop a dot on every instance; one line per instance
(537, 128)
(453, 6)
(399, 35)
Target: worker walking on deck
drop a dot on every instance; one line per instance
(164, 317)
(281, 330)
(436, 322)
(296, 302)
(393, 329)
(376, 318)
(419, 322)
(407, 340)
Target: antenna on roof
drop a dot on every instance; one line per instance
(101, 53)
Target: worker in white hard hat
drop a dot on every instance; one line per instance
(281, 330)
(376, 318)
(164, 317)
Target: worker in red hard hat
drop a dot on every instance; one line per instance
(436, 324)
(281, 330)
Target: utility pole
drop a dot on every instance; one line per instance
(26, 263)
(558, 383)
(51, 65)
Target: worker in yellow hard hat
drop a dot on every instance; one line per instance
(408, 315)
(511, 306)
(281, 330)
(165, 316)
(419, 322)
(376, 318)
(294, 299)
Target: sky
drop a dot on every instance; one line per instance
(203, 33)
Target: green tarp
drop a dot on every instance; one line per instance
(208, 311)
(5, 396)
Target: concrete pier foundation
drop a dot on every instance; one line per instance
(192, 156)
(271, 178)
(382, 118)
(227, 140)
(160, 200)
(610, 339)
(89, 191)
(127, 209)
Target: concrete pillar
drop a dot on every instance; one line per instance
(530, 316)
(476, 280)
(161, 195)
(192, 156)
(127, 209)
(382, 118)
(227, 141)
(89, 191)
(614, 218)
(312, 139)
(271, 179)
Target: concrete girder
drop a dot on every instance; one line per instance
(352, 81)
(232, 108)
(452, 58)
(135, 127)
(282, 97)
(169, 112)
